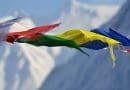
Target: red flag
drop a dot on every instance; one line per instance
(128, 50)
(11, 37)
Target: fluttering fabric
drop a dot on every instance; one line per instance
(10, 22)
(128, 50)
(75, 38)
(114, 35)
(83, 38)
(50, 41)
(12, 36)
(4, 26)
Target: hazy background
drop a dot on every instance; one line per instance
(45, 11)
(25, 67)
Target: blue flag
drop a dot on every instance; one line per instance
(114, 35)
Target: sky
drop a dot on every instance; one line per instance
(43, 11)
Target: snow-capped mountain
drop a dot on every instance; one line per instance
(25, 67)
(95, 72)
(22, 66)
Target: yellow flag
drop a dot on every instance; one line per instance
(83, 36)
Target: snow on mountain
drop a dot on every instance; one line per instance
(22, 66)
(114, 2)
(25, 67)
(95, 72)
(83, 15)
